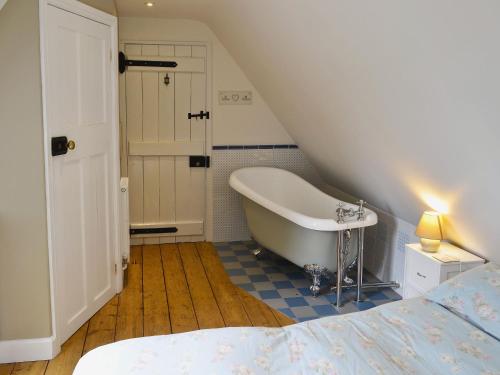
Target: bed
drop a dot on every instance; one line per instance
(455, 329)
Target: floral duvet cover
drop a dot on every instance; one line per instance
(413, 336)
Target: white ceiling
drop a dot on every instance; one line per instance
(390, 99)
(193, 9)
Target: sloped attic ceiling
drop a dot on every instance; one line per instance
(391, 100)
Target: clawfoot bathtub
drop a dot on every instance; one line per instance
(294, 219)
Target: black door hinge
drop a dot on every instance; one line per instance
(199, 161)
(123, 62)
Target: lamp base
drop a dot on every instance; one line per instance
(431, 246)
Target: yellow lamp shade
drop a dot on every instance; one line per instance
(429, 226)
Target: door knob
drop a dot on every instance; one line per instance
(71, 145)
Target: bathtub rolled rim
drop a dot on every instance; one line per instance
(306, 221)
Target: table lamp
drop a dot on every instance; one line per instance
(430, 232)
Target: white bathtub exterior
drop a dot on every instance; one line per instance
(293, 218)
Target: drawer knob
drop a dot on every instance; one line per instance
(420, 275)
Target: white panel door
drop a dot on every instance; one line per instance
(79, 106)
(164, 190)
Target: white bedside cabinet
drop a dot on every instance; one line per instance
(424, 272)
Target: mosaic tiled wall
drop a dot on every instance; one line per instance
(384, 243)
(385, 246)
(229, 218)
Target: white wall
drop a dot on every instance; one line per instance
(390, 99)
(254, 124)
(24, 267)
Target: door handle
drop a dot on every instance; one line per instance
(61, 145)
(200, 115)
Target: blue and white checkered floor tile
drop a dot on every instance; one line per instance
(285, 287)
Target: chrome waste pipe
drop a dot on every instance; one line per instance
(340, 271)
(361, 240)
(380, 284)
(340, 262)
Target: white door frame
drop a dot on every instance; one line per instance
(83, 10)
(2, 3)
(208, 225)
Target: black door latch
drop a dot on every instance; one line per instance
(199, 161)
(59, 146)
(200, 115)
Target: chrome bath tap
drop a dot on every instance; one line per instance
(361, 209)
(342, 212)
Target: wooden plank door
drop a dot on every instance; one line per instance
(84, 193)
(164, 190)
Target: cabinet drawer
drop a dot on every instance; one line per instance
(410, 291)
(421, 272)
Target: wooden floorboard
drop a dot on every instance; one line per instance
(31, 368)
(102, 326)
(71, 351)
(180, 305)
(169, 288)
(6, 368)
(204, 303)
(258, 312)
(129, 323)
(156, 318)
(225, 292)
(283, 319)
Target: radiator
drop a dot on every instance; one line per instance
(124, 222)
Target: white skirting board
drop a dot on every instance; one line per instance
(44, 348)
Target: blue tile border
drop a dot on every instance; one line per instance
(253, 147)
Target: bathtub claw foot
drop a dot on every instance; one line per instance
(314, 290)
(348, 280)
(316, 271)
